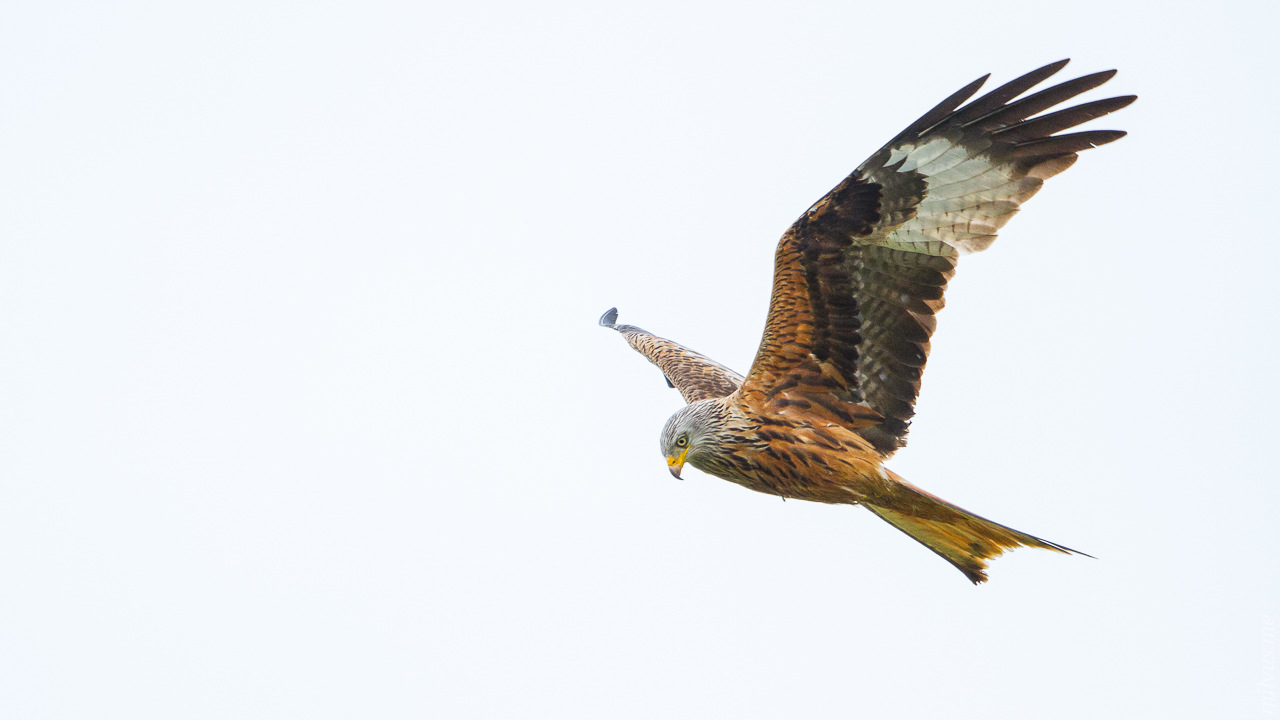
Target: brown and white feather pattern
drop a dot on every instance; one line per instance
(696, 376)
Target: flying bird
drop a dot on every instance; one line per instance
(858, 280)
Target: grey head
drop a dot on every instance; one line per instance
(692, 434)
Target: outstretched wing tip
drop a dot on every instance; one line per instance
(1124, 101)
(1045, 71)
(859, 278)
(610, 318)
(1105, 137)
(693, 374)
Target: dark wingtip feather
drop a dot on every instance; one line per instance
(1006, 92)
(1066, 144)
(1023, 108)
(941, 110)
(610, 318)
(1043, 126)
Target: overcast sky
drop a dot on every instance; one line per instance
(304, 411)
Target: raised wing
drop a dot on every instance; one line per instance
(693, 374)
(859, 277)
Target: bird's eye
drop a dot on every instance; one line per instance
(682, 441)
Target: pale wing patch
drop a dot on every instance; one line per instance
(898, 153)
(923, 154)
(953, 159)
(917, 242)
(966, 205)
(969, 196)
(970, 176)
(992, 214)
(1015, 192)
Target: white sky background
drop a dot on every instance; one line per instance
(304, 411)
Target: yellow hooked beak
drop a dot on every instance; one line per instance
(674, 464)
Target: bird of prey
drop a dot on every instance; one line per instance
(858, 280)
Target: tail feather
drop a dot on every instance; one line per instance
(963, 539)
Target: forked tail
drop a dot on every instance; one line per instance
(960, 537)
